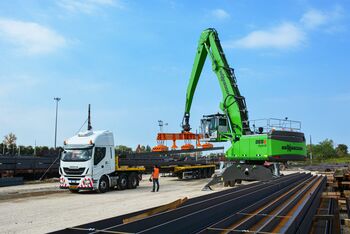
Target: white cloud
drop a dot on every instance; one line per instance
(29, 37)
(315, 18)
(220, 14)
(292, 34)
(283, 36)
(87, 6)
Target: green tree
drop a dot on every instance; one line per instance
(324, 149)
(123, 149)
(342, 150)
(10, 142)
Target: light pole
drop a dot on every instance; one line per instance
(161, 124)
(57, 99)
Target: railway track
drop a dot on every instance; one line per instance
(283, 205)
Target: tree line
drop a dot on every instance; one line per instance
(323, 150)
(326, 149)
(9, 147)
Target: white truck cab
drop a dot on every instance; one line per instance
(88, 162)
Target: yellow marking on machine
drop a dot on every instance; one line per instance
(183, 168)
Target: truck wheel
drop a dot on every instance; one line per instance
(132, 181)
(180, 175)
(204, 173)
(103, 185)
(122, 182)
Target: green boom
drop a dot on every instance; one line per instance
(247, 145)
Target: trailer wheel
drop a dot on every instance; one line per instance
(205, 173)
(197, 174)
(103, 185)
(209, 172)
(122, 182)
(132, 181)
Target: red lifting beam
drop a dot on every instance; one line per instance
(186, 136)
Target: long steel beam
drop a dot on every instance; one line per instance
(204, 214)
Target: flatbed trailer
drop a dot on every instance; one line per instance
(170, 162)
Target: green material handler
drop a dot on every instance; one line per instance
(256, 150)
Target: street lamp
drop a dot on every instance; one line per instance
(57, 99)
(161, 124)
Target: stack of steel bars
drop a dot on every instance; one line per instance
(283, 205)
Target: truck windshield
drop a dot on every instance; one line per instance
(76, 154)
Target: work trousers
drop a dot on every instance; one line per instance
(155, 182)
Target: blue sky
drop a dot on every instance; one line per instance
(132, 60)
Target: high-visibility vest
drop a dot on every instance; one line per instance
(155, 174)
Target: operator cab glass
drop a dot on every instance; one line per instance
(214, 125)
(76, 155)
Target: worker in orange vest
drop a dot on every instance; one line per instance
(155, 178)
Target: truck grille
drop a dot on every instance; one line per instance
(77, 171)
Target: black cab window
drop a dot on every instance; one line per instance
(100, 153)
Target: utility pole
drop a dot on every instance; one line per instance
(57, 99)
(35, 148)
(310, 149)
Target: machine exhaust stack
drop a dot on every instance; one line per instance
(89, 128)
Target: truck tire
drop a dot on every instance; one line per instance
(180, 175)
(204, 172)
(103, 185)
(122, 182)
(196, 174)
(132, 181)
